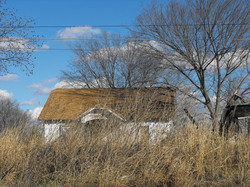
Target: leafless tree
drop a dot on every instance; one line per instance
(201, 42)
(15, 50)
(11, 115)
(111, 62)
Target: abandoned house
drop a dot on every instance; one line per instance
(232, 115)
(151, 107)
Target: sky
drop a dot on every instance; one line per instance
(32, 91)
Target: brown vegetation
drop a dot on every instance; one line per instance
(190, 157)
(68, 104)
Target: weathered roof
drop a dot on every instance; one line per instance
(68, 104)
(240, 110)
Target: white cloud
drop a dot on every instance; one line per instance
(241, 58)
(40, 87)
(29, 102)
(18, 44)
(43, 91)
(35, 113)
(5, 94)
(41, 84)
(76, 32)
(9, 77)
(78, 84)
(68, 84)
(44, 47)
(62, 84)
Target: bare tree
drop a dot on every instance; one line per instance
(111, 62)
(15, 50)
(201, 42)
(11, 115)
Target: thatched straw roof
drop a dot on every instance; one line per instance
(69, 104)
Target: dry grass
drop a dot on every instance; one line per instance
(189, 157)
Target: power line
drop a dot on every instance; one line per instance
(98, 39)
(71, 39)
(56, 49)
(116, 26)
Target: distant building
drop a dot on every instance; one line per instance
(152, 107)
(233, 114)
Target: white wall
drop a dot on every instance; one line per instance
(157, 130)
(51, 131)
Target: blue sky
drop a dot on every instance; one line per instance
(32, 91)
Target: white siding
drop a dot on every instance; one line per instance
(157, 130)
(90, 117)
(51, 131)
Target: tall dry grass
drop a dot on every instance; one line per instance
(114, 156)
(188, 157)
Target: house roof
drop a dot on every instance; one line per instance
(69, 104)
(241, 111)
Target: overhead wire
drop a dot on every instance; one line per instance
(95, 26)
(116, 26)
(82, 39)
(101, 39)
(96, 39)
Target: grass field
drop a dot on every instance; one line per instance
(186, 157)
